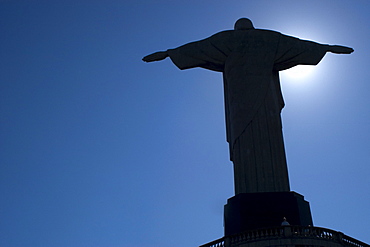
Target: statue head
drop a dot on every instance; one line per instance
(243, 24)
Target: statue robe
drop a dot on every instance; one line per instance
(250, 61)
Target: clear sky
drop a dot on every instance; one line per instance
(101, 149)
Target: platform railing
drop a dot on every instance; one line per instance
(310, 232)
(217, 243)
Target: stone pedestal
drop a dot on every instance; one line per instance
(249, 211)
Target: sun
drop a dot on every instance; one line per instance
(299, 72)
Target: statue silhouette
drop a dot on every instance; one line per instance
(250, 60)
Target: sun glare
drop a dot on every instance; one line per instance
(299, 72)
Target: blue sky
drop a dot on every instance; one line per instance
(101, 149)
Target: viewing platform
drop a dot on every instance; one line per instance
(289, 236)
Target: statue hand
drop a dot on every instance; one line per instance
(338, 49)
(157, 56)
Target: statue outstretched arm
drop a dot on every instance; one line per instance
(338, 49)
(156, 56)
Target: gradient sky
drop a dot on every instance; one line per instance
(101, 149)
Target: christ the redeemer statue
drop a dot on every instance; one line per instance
(250, 60)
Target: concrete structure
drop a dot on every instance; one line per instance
(249, 211)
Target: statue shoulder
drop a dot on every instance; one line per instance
(223, 33)
(268, 32)
(231, 37)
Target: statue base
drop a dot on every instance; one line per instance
(249, 211)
